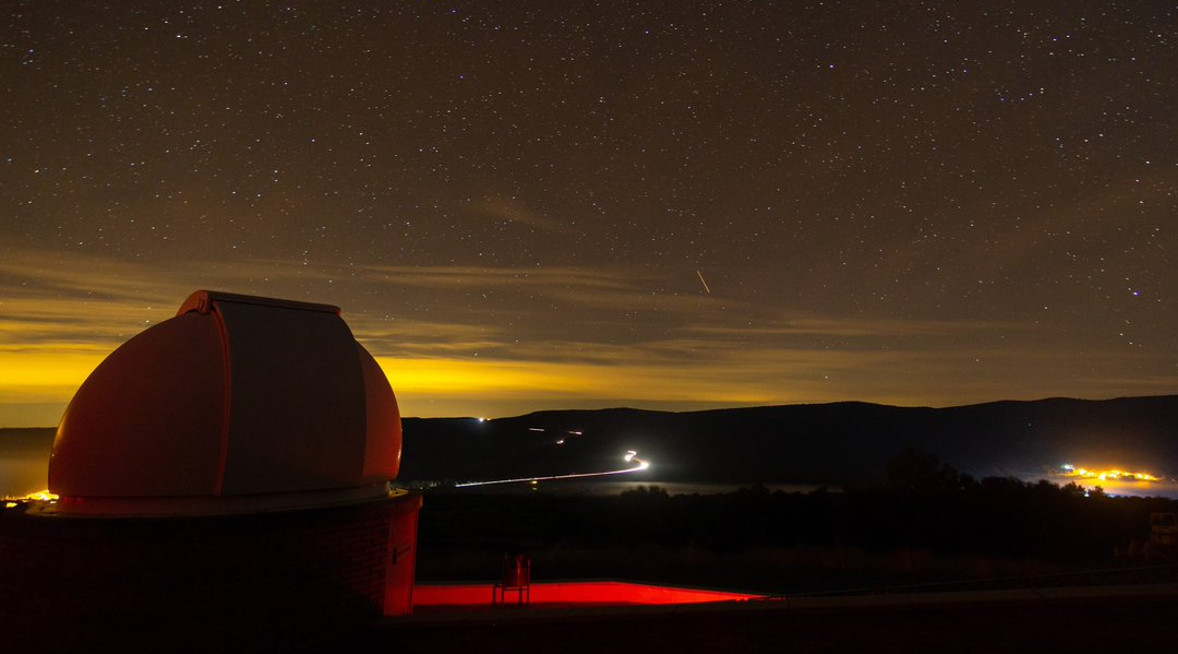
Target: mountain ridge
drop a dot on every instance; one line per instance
(839, 442)
(836, 443)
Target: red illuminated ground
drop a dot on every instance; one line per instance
(568, 594)
(1125, 618)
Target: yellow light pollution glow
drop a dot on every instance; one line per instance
(450, 362)
(478, 384)
(36, 385)
(47, 372)
(1105, 474)
(39, 496)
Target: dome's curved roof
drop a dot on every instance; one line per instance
(235, 395)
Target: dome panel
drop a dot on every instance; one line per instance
(297, 398)
(148, 420)
(382, 453)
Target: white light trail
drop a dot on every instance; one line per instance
(702, 281)
(631, 457)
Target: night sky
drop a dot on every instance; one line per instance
(524, 205)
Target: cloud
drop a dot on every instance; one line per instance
(510, 210)
(493, 338)
(550, 278)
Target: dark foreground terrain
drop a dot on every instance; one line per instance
(925, 524)
(1120, 619)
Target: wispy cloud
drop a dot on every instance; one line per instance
(489, 338)
(509, 210)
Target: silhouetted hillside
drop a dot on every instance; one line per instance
(837, 443)
(820, 443)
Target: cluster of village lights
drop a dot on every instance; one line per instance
(40, 496)
(1072, 471)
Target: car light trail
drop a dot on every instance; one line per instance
(631, 458)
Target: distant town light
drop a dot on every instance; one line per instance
(1111, 474)
(40, 496)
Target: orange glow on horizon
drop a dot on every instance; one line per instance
(39, 496)
(49, 375)
(499, 379)
(49, 345)
(48, 369)
(1105, 474)
(37, 382)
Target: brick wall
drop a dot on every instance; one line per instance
(259, 582)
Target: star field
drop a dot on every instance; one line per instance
(516, 203)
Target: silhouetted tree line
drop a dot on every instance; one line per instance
(921, 504)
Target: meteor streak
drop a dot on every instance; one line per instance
(631, 458)
(703, 281)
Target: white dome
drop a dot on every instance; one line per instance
(235, 395)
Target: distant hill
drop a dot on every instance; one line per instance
(816, 443)
(811, 443)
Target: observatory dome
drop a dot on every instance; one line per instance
(234, 396)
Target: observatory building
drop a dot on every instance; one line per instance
(223, 481)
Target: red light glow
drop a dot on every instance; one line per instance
(564, 594)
